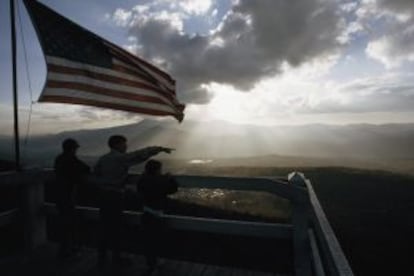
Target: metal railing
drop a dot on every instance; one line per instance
(316, 249)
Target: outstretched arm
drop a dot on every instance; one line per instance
(142, 155)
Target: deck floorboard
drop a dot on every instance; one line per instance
(45, 262)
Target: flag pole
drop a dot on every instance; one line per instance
(15, 98)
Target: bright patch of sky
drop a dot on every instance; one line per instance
(257, 62)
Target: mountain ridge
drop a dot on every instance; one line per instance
(221, 140)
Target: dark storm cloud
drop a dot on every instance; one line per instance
(252, 42)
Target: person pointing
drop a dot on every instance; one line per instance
(112, 169)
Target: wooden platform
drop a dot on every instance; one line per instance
(45, 262)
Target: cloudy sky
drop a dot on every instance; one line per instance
(273, 62)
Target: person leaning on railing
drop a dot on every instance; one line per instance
(112, 172)
(154, 186)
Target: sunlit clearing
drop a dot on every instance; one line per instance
(200, 161)
(228, 104)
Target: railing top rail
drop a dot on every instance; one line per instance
(325, 232)
(276, 185)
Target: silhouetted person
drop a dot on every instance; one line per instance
(70, 172)
(112, 169)
(154, 188)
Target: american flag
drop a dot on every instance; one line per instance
(83, 68)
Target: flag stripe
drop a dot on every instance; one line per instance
(52, 76)
(118, 60)
(103, 91)
(61, 62)
(105, 77)
(130, 72)
(126, 68)
(84, 95)
(86, 80)
(119, 67)
(76, 100)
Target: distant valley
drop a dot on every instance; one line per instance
(223, 144)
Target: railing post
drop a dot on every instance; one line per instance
(300, 222)
(34, 222)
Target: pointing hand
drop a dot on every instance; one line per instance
(167, 150)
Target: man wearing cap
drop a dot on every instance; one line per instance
(70, 172)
